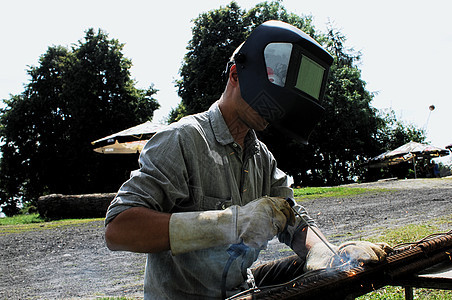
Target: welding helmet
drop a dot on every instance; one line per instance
(282, 73)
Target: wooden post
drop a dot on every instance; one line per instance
(408, 293)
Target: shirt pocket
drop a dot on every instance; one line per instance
(213, 203)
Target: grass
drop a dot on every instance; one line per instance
(21, 219)
(32, 222)
(319, 192)
(414, 232)
(398, 293)
(404, 234)
(408, 233)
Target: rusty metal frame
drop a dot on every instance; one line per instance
(398, 269)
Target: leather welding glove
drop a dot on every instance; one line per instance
(253, 224)
(361, 252)
(319, 256)
(355, 253)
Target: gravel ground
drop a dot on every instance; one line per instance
(72, 261)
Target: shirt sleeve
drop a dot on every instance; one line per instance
(280, 188)
(161, 180)
(287, 235)
(279, 180)
(280, 184)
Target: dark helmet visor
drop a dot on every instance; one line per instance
(283, 73)
(308, 75)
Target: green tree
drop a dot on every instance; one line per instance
(74, 97)
(345, 136)
(392, 135)
(215, 36)
(351, 132)
(395, 133)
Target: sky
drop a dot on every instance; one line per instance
(405, 46)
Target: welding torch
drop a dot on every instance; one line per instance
(292, 203)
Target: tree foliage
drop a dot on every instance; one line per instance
(345, 136)
(215, 36)
(351, 131)
(74, 96)
(396, 133)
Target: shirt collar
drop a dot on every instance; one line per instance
(220, 129)
(222, 133)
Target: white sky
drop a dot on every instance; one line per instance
(404, 44)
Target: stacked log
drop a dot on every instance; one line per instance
(57, 206)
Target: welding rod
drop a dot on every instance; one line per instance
(292, 204)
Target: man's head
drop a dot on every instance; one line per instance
(282, 73)
(242, 113)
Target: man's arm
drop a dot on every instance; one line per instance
(144, 230)
(318, 255)
(304, 240)
(138, 229)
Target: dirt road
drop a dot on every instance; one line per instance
(73, 262)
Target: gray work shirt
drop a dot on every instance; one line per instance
(195, 165)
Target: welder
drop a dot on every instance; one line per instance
(208, 195)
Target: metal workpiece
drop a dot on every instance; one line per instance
(401, 268)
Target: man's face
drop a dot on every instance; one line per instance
(250, 117)
(245, 113)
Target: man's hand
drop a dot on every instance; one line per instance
(353, 252)
(260, 220)
(253, 224)
(361, 252)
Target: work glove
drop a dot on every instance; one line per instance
(354, 253)
(253, 224)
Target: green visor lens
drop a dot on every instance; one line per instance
(310, 77)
